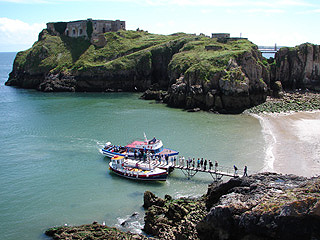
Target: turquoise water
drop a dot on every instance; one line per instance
(51, 170)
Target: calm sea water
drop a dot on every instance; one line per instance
(51, 170)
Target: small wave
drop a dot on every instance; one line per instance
(133, 223)
(270, 141)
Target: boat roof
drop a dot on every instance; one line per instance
(136, 143)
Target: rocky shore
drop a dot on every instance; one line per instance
(262, 206)
(296, 101)
(91, 231)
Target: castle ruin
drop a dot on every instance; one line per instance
(89, 29)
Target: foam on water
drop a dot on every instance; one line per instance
(270, 142)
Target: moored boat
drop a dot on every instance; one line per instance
(138, 171)
(139, 149)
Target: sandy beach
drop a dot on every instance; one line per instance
(293, 142)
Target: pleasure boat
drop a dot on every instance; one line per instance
(139, 149)
(138, 171)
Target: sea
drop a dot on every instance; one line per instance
(53, 174)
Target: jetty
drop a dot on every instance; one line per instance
(190, 167)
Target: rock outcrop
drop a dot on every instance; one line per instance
(263, 206)
(298, 67)
(92, 231)
(172, 219)
(243, 83)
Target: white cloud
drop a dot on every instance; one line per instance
(17, 32)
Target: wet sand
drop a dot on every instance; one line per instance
(293, 142)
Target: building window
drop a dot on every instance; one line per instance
(73, 32)
(80, 31)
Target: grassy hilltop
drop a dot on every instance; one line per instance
(60, 53)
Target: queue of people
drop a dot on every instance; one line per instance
(189, 163)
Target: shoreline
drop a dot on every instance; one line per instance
(293, 142)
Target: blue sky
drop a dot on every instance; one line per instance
(264, 22)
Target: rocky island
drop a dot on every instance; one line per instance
(220, 74)
(262, 206)
(182, 70)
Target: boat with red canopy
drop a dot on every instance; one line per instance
(139, 149)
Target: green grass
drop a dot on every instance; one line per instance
(194, 59)
(130, 51)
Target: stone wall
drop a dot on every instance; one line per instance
(220, 35)
(79, 28)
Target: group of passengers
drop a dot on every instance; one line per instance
(190, 163)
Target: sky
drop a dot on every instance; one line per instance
(264, 22)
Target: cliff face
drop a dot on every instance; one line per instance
(229, 79)
(130, 61)
(298, 67)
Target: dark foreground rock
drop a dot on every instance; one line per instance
(172, 219)
(264, 206)
(91, 231)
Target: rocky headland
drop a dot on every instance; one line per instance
(189, 71)
(262, 206)
(181, 70)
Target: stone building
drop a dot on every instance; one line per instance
(79, 28)
(220, 35)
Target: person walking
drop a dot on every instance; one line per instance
(245, 171)
(216, 166)
(205, 164)
(210, 165)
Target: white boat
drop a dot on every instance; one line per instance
(138, 171)
(138, 149)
